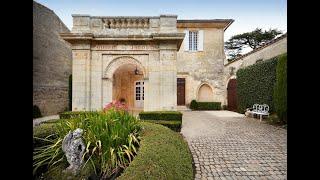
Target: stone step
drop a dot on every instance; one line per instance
(183, 108)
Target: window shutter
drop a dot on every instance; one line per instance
(200, 41)
(186, 40)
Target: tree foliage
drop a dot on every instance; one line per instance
(254, 40)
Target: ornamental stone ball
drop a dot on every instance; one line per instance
(73, 147)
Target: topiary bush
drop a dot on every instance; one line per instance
(163, 154)
(209, 105)
(194, 105)
(255, 84)
(280, 89)
(36, 112)
(173, 125)
(161, 115)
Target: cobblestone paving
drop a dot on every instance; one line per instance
(226, 145)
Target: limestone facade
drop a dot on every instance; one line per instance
(112, 55)
(52, 61)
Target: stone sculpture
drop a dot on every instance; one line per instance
(73, 147)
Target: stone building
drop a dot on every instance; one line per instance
(271, 49)
(52, 61)
(150, 63)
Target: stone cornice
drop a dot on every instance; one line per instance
(76, 37)
(205, 23)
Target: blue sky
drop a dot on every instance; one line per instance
(248, 14)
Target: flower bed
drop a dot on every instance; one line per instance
(111, 139)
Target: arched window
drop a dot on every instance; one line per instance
(205, 93)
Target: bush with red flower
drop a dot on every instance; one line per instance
(116, 105)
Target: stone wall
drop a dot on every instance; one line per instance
(204, 67)
(51, 61)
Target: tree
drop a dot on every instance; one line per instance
(254, 40)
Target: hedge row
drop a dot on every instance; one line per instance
(36, 112)
(161, 115)
(280, 89)
(173, 125)
(255, 84)
(205, 105)
(75, 114)
(163, 154)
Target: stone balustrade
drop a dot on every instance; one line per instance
(124, 23)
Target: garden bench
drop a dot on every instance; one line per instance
(260, 109)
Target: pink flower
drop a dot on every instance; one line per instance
(116, 105)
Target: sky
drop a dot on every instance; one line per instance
(247, 14)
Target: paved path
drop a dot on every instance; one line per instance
(227, 145)
(38, 121)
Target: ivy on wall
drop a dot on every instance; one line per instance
(280, 89)
(255, 84)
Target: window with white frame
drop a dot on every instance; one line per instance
(193, 40)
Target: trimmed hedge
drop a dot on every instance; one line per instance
(75, 114)
(209, 105)
(205, 105)
(194, 105)
(173, 125)
(255, 84)
(36, 112)
(163, 154)
(161, 115)
(280, 89)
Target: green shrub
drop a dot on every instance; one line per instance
(36, 112)
(173, 125)
(163, 154)
(280, 89)
(160, 115)
(224, 107)
(209, 105)
(194, 105)
(76, 114)
(255, 84)
(111, 139)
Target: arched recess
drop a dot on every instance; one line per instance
(205, 93)
(119, 80)
(120, 61)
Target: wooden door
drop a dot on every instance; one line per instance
(181, 91)
(232, 95)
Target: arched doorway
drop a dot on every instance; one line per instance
(205, 93)
(128, 86)
(232, 95)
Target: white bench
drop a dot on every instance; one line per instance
(260, 109)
